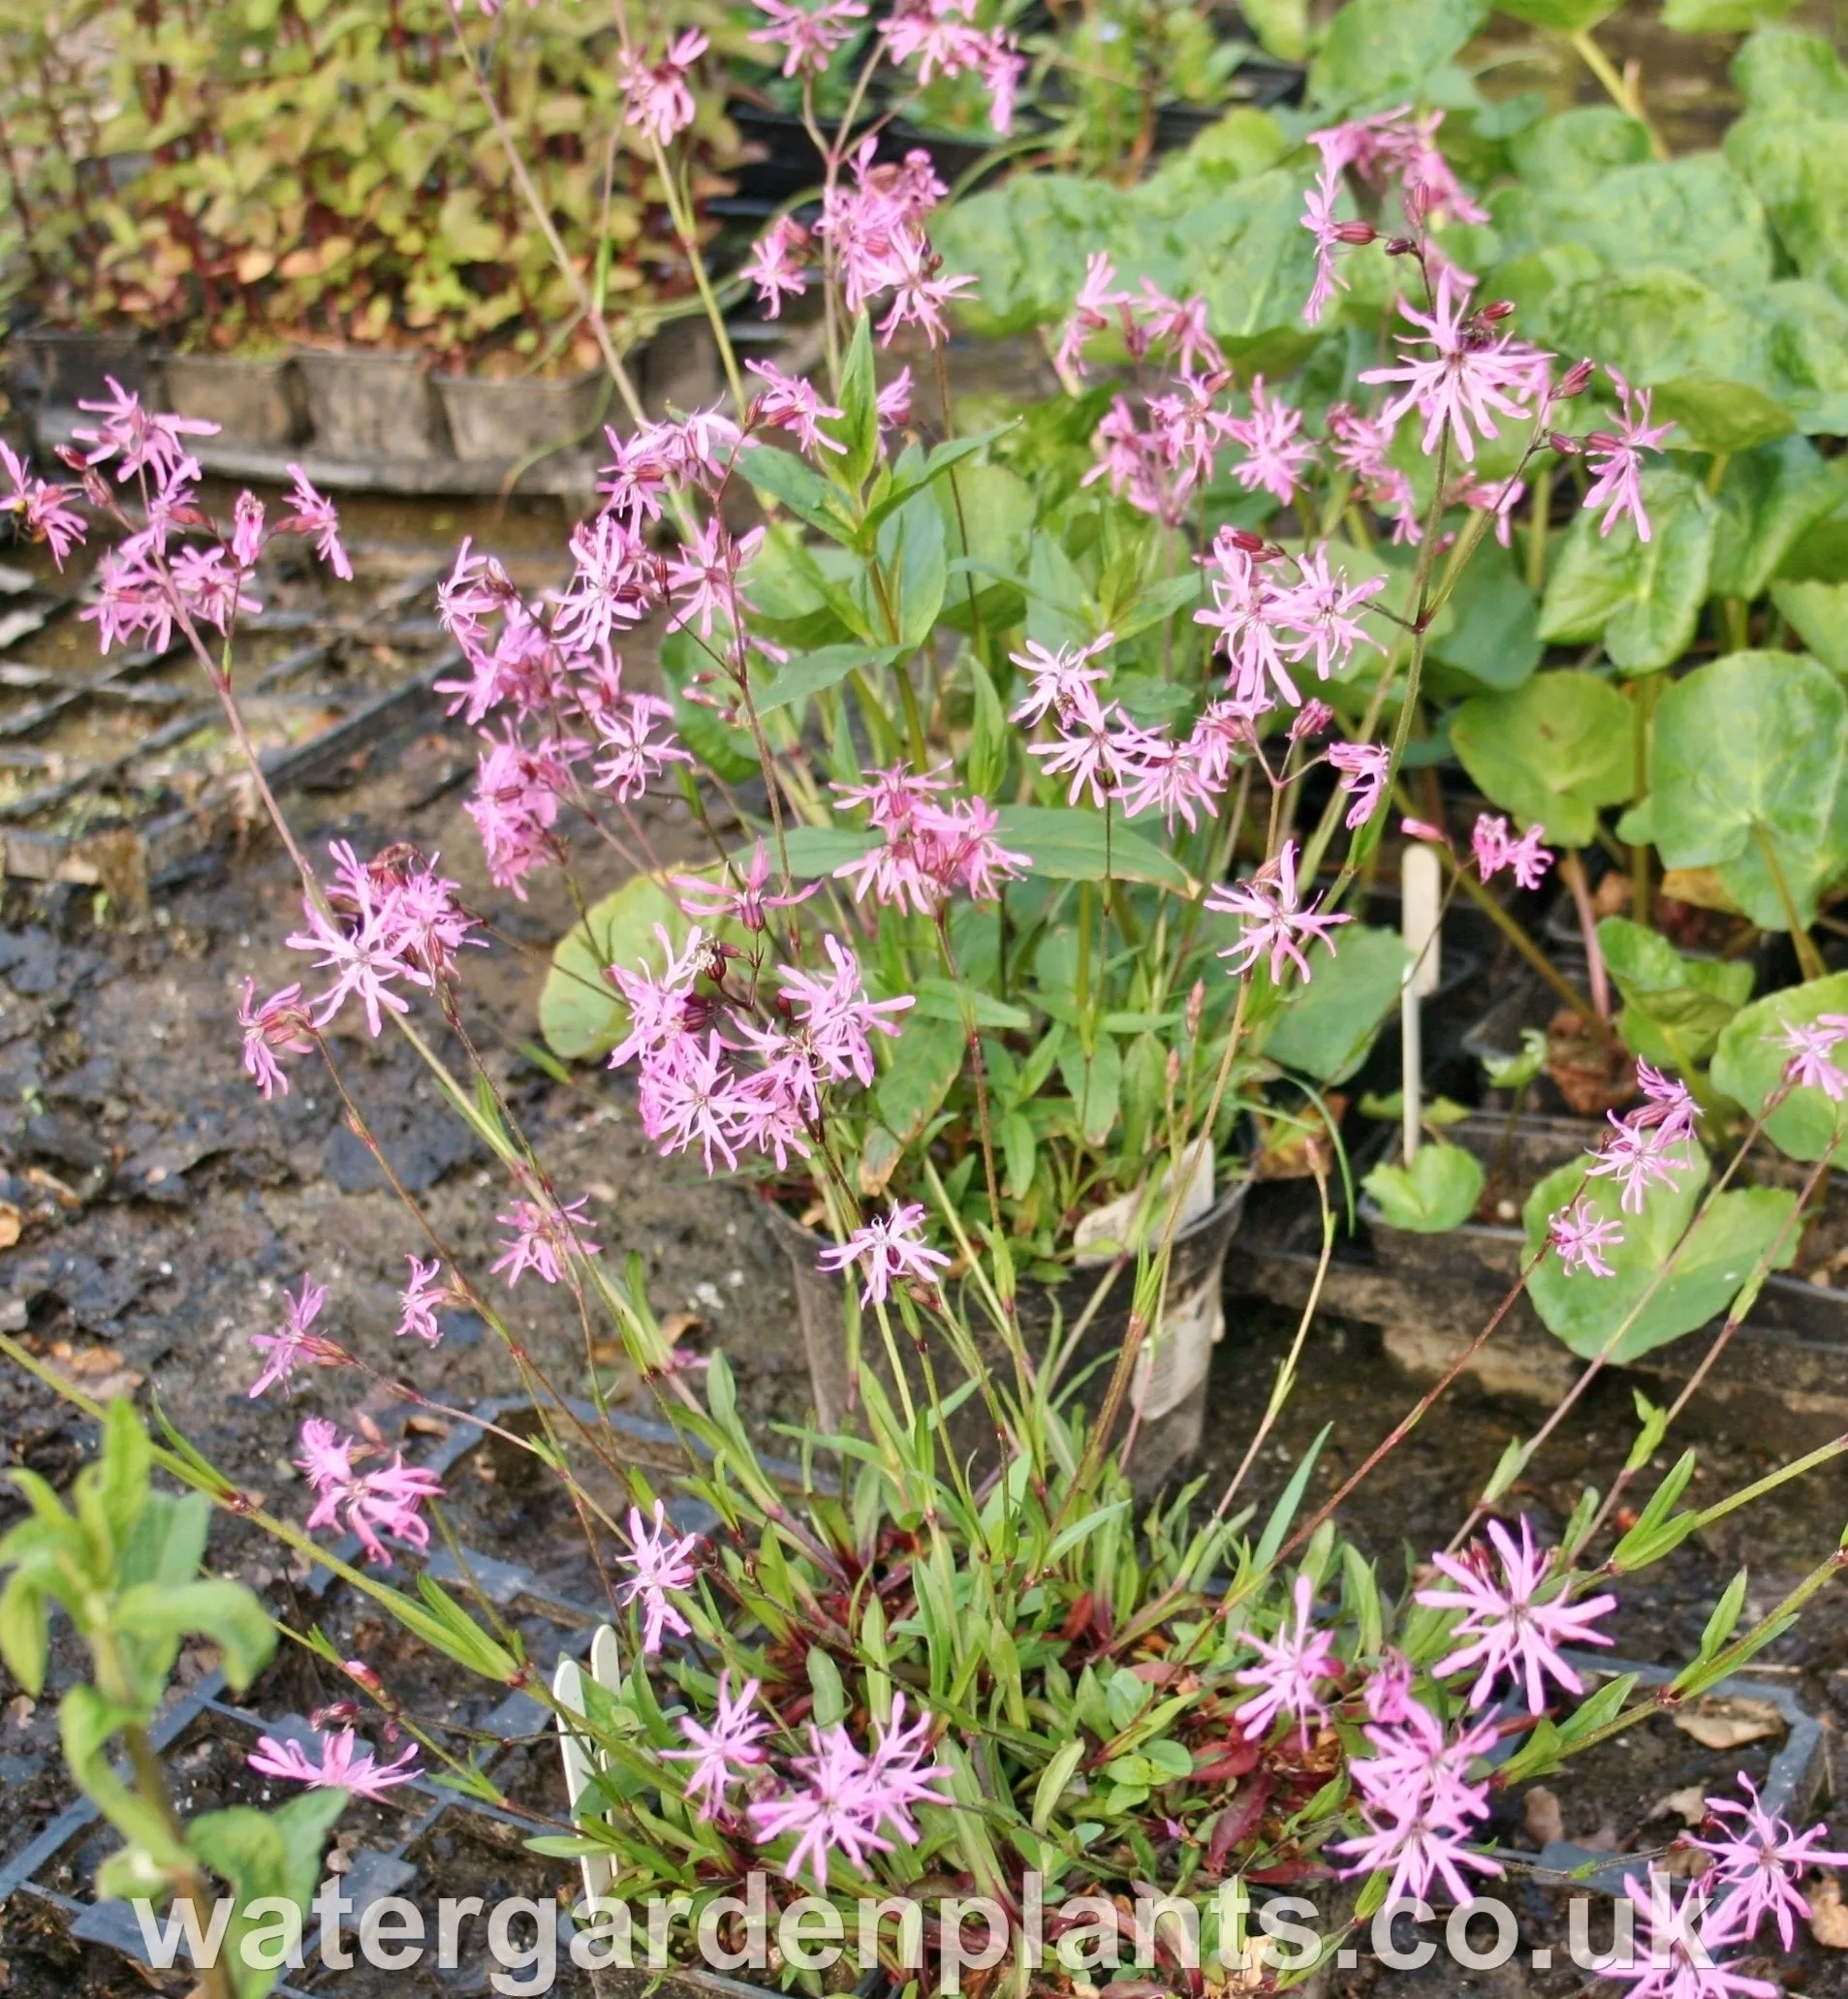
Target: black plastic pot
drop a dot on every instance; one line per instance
(256, 403)
(73, 368)
(1171, 1393)
(369, 406)
(513, 418)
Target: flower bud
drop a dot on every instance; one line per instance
(1573, 381)
(1314, 718)
(1601, 441)
(1196, 1008)
(1400, 246)
(1355, 232)
(1564, 443)
(1501, 309)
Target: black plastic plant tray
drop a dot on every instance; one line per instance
(517, 1722)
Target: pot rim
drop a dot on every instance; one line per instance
(168, 357)
(553, 383)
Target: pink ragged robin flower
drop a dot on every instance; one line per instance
(848, 1800)
(139, 440)
(1638, 1156)
(310, 514)
(280, 1026)
(1762, 1860)
(661, 1570)
(888, 1248)
(545, 1238)
(1470, 376)
(1617, 458)
(343, 1765)
(656, 93)
(1672, 1955)
(296, 1344)
(808, 36)
(725, 1751)
(1495, 848)
(1507, 1627)
(1291, 1667)
(1274, 919)
(366, 1504)
(1580, 1238)
(418, 1301)
(43, 510)
(1276, 453)
(735, 900)
(1811, 1047)
(837, 1016)
(1363, 766)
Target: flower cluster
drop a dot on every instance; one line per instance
(297, 1343)
(872, 236)
(1266, 626)
(849, 1799)
(929, 848)
(1652, 1145)
(367, 1504)
(692, 1090)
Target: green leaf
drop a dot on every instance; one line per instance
(1674, 1007)
(989, 738)
(1791, 74)
(1066, 843)
(1436, 1193)
(1096, 1085)
(1553, 752)
(1575, 153)
(913, 554)
(1287, 1501)
(830, 1694)
(24, 1632)
(1750, 745)
(813, 673)
(581, 1012)
(1768, 499)
(1713, 1262)
(858, 425)
(1328, 1023)
(1493, 636)
(1642, 598)
(1379, 52)
(1749, 1066)
(928, 1059)
(1054, 1779)
(1818, 614)
(1564, 16)
(780, 475)
(1722, 16)
(225, 1613)
(1724, 1620)
(1281, 26)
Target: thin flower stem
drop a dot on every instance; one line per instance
(1410, 1421)
(1807, 956)
(1616, 88)
(1571, 871)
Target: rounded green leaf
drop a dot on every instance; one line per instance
(1712, 1260)
(1437, 1192)
(1749, 1066)
(581, 1012)
(1747, 747)
(1551, 752)
(1642, 598)
(1327, 1024)
(1564, 16)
